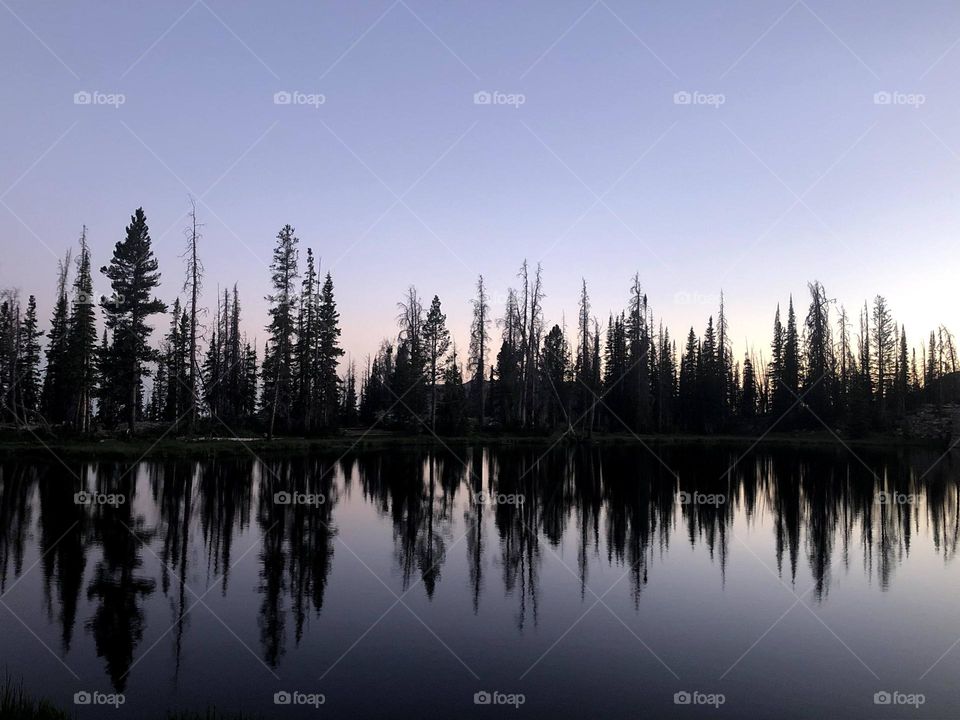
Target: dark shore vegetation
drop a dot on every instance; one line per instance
(16, 704)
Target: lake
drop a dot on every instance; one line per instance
(675, 580)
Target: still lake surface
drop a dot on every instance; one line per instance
(584, 582)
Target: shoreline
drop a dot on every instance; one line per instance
(152, 447)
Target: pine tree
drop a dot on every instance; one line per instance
(411, 364)
(8, 356)
(902, 381)
(724, 359)
(479, 337)
(885, 341)
(507, 392)
(638, 338)
(193, 284)
(555, 361)
(56, 381)
(791, 353)
(328, 355)
(688, 387)
(305, 352)
(29, 363)
(453, 407)
(277, 368)
(7, 364)
(175, 369)
(779, 400)
(82, 341)
(748, 398)
(235, 363)
(818, 350)
(583, 365)
(709, 381)
(247, 396)
(133, 275)
(349, 411)
(107, 403)
(437, 342)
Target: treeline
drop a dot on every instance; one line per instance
(632, 376)
(627, 375)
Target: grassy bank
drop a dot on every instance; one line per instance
(15, 704)
(167, 447)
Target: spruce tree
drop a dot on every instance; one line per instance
(454, 404)
(328, 354)
(818, 351)
(133, 274)
(29, 363)
(437, 341)
(306, 356)
(277, 368)
(884, 343)
(748, 397)
(82, 334)
(56, 381)
(555, 362)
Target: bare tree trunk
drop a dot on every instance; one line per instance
(134, 381)
(194, 281)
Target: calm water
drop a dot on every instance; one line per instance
(793, 583)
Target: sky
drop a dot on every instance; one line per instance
(743, 147)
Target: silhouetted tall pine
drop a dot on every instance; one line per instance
(133, 275)
(277, 369)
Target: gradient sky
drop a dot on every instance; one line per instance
(399, 178)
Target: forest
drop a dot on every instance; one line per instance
(825, 367)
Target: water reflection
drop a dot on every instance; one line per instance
(500, 513)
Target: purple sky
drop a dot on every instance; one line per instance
(785, 166)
